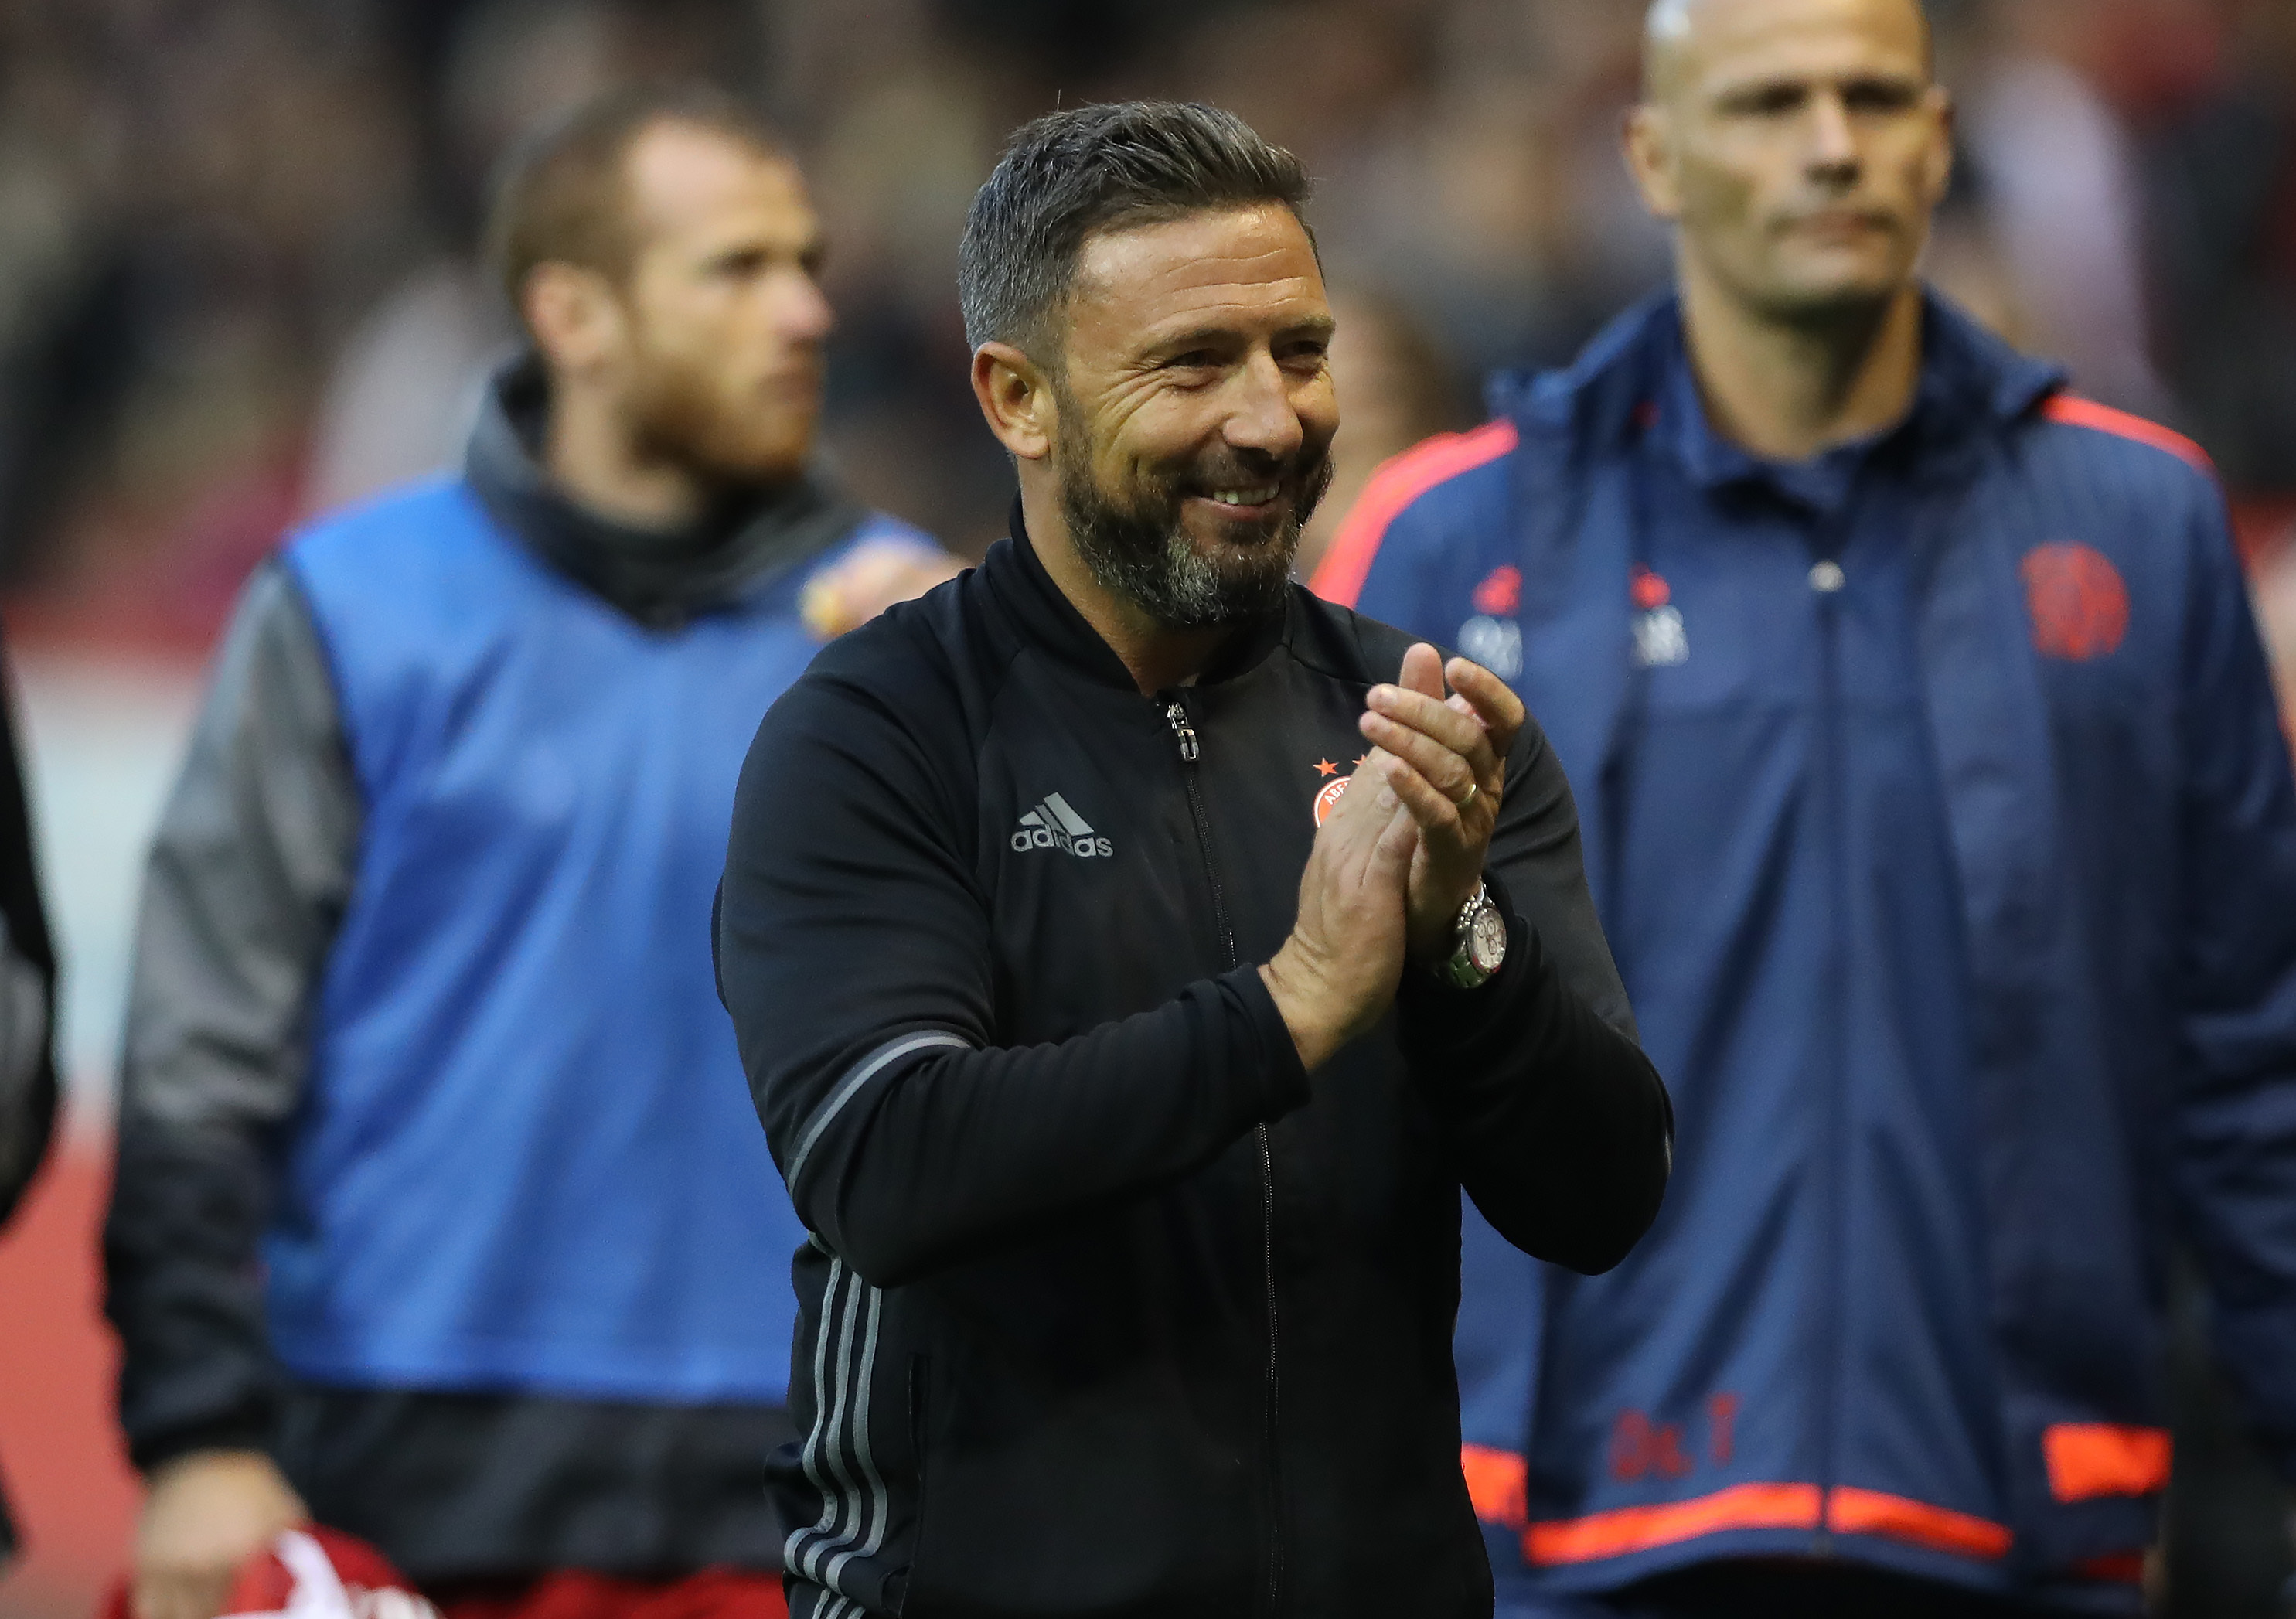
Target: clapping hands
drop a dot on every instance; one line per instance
(1402, 852)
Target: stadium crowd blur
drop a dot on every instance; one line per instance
(235, 282)
(236, 242)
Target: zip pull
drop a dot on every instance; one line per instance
(1178, 715)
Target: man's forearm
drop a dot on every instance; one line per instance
(1561, 1124)
(945, 1151)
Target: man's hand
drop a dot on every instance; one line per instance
(1337, 973)
(204, 1515)
(871, 578)
(1446, 759)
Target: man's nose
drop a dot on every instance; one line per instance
(801, 313)
(1833, 140)
(1263, 418)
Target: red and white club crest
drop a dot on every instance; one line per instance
(1329, 797)
(2077, 599)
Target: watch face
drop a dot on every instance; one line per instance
(1487, 939)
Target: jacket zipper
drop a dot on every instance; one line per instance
(1826, 579)
(1183, 729)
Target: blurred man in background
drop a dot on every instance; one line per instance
(27, 995)
(441, 1216)
(1939, 814)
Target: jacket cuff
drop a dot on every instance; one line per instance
(1284, 1076)
(240, 1432)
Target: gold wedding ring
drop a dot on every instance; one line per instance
(1473, 787)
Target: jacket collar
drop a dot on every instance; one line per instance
(1822, 484)
(1045, 618)
(1970, 380)
(661, 578)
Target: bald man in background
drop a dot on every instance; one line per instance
(1939, 818)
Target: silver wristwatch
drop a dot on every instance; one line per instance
(1479, 943)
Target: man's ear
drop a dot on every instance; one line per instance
(1017, 399)
(574, 316)
(1940, 176)
(1648, 142)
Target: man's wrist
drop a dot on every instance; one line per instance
(1429, 939)
(1305, 1005)
(1454, 955)
(209, 1459)
(1431, 946)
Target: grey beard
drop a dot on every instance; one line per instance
(1176, 585)
(1146, 557)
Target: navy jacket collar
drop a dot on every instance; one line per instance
(660, 579)
(1971, 380)
(1680, 423)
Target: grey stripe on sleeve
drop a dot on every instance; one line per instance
(868, 1068)
(880, 1509)
(824, 1330)
(848, 1497)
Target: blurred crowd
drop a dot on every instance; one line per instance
(236, 280)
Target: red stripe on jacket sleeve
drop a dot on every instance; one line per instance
(2073, 411)
(1400, 481)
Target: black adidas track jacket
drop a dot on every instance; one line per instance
(1111, 1308)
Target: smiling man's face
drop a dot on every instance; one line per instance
(1195, 411)
(1801, 145)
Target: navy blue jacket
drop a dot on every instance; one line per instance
(1904, 1302)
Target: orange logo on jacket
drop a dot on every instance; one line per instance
(2077, 599)
(1329, 794)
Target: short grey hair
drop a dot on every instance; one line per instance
(1068, 176)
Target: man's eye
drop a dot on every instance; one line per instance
(1771, 100)
(1878, 98)
(1195, 359)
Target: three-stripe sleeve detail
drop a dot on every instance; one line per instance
(880, 1504)
(867, 1069)
(810, 1457)
(857, 1507)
